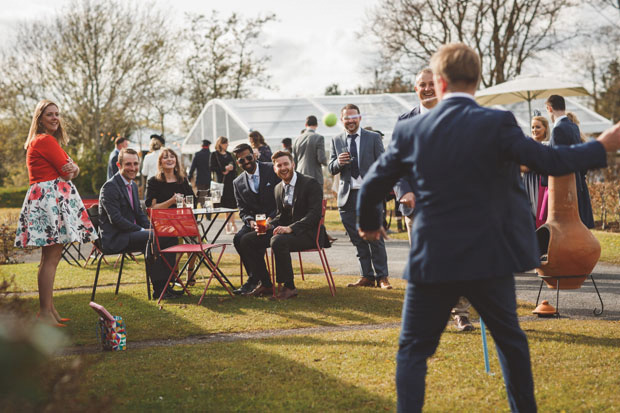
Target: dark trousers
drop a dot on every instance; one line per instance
(237, 243)
(156, 268)
(370, 254)
(426, 311)
(253, 247)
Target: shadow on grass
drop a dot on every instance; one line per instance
(572, 338)
(220, 313)
(275, 375)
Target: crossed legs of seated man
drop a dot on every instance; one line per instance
(253, 247)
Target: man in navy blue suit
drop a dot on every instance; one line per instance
(472, 228)
(425, 89)
(565, 132)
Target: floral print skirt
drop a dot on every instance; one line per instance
(53, 213)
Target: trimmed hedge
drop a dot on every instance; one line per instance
(12, 197)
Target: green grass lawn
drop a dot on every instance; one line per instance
(574, 364)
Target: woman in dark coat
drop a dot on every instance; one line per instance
(261, 149)
(223, 164)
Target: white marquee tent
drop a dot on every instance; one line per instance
(281, 118)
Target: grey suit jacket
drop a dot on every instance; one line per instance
(309, 155)
(371, 147)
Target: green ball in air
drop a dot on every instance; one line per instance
(330, 119)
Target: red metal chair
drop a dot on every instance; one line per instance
(326, 268)
(181, 223)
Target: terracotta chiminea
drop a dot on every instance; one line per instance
(568, 249)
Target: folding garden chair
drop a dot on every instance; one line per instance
(326, 268)
(181, 223)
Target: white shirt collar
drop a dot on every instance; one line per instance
(293, 180)
(256, 173)
(126, 182)
(357, 132)
(458, 95)
(423, 109)
(558, 120)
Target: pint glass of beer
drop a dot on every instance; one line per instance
(261, 224)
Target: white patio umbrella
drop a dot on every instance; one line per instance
(527, 89)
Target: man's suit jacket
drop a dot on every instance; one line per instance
(250, 203)
(305, 214)
(567, 133)
(405, 184)
(112, 160)
(413, 112)
(371, 148)
(116, 216)
(200, 165)
(473, 218)
(309, 155)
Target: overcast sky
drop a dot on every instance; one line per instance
(312, 44)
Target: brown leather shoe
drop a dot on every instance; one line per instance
(384, 283)
(462, 323)
(285, 294)
(261, 291)
(363, 282)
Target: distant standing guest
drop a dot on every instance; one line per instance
(535, 184)
(149, 164)
(309, 151)
(223, 164)
(120, 143)
(585, 204)
(201, 165)
(261, 149)
(52, 214)
(287, 145)
(565, 132)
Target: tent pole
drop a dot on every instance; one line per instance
(529, 105)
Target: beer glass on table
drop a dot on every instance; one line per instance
(261, 224)
(180, 200)
(189, 201)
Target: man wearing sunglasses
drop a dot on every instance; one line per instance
(353, 152)
(254, 195)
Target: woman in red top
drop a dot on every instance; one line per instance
(53, 213)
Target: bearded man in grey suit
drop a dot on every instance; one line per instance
(309, 151)
(353, 152)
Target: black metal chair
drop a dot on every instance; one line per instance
(93, 214)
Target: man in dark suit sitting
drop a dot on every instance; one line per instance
(254, 195)
(472, 229)
(299, 202)
(123, 224)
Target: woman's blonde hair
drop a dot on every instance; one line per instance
(256, 139)
(179, 171)
(36, 128)
(219, 142)
(573, 118)
(545, 123)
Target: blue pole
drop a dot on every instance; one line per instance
(485, 348)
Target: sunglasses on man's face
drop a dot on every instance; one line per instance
(245, 159)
